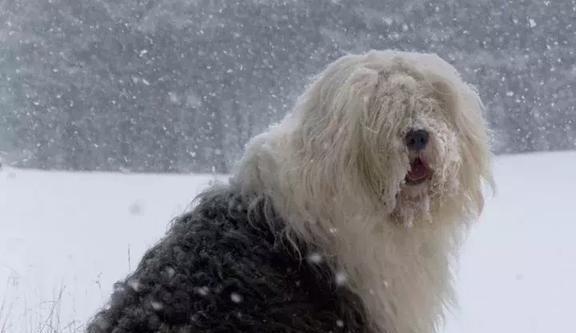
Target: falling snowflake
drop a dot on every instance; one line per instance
(203, 291)
(156, 305)
(236, 298)
(170, 272)
(134, 284)
(136, 208)
(315, 258)
(341, 278)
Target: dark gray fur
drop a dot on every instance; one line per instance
(227, 267)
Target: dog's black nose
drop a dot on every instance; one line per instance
(417, 140)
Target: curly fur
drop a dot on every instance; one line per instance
(329, 180)
(223, 268)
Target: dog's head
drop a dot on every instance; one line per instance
(399, 130)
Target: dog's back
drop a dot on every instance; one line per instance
(225, 267)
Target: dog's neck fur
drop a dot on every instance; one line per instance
(402, 274)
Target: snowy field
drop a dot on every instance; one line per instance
(66, 237)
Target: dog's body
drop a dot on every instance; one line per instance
(224, 268)
(344, 217)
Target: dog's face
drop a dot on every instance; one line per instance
(410, 132)
(424, 142)
(402, 128)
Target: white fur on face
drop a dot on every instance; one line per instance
(336, 168)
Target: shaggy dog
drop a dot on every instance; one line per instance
(345, 217)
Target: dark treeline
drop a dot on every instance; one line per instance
(181, 85)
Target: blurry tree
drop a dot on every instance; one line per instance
(180, 86)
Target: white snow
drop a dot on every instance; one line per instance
(65, 238)
(75, 234)
(518, 269)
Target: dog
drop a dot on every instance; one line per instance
(344, 217)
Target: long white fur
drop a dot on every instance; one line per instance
(334, 169)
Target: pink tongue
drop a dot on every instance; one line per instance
(418, 170)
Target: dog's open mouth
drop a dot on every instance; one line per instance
(419, 172)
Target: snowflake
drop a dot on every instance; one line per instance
(170, 272)
(341, 278)
(236, 298)
(203, 291)
(156, 305)
(134, 284)
(315, 258)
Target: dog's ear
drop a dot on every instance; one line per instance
(328, 134)
(464, 108)
(376, 166)
(363, 83)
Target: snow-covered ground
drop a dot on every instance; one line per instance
(66, 237)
